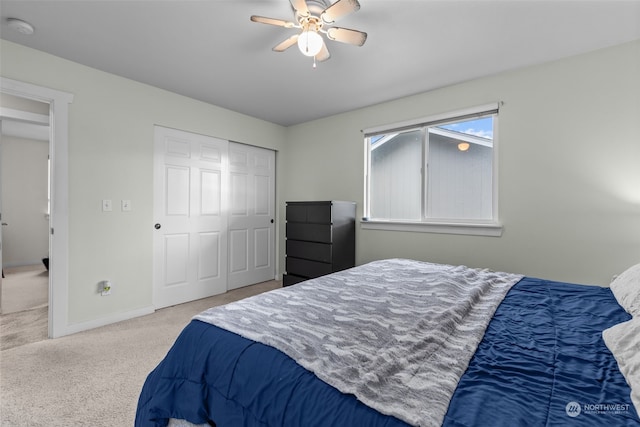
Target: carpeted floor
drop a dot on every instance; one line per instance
(25, 296)
(23, 327)
(24, 288)
(94, 378)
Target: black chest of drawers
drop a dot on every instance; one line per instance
(320, 239)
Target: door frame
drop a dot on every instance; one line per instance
(59, 212)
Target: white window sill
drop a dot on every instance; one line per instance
(488, 228)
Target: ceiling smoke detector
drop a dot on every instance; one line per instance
(23, 27)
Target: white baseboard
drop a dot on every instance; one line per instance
(104, 321)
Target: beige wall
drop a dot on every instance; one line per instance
(111, 157)
(569, 168)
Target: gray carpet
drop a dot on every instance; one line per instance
(94, 378)
(24, 288)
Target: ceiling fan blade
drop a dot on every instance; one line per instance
(286, 44)
(324, 54)
(272, 21)
(339, 9)
(300, 7)
(346, 35)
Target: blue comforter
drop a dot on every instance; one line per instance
(542, 362)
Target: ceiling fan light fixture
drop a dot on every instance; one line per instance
(309, 15)
(310, 43)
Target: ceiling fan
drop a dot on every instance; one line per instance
(314, 18)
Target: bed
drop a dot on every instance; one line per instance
(401, 342)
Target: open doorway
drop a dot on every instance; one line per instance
(24, 193)
(58, 103)
(25, 201)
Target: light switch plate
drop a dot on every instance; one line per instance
(126, 205)
(106, 205)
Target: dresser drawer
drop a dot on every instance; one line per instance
(309, 250)
(306, 268)
(309, 232)
(310, 213)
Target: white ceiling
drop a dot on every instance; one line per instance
(209, 49)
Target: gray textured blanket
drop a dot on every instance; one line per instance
(397, 333)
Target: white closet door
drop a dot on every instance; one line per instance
(190, 208)
(251, 215)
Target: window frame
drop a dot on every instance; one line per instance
(490, 227)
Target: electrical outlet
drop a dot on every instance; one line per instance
(105, 289)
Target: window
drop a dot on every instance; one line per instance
(436, 174)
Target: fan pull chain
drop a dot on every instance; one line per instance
(314, 62)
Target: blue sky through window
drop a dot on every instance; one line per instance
(482, 127)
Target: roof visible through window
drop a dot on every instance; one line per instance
(482, 127)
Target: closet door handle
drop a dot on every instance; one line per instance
(157, 226)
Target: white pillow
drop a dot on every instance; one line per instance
(623, 341)
(626, 289)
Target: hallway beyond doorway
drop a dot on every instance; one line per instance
(25, 288)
